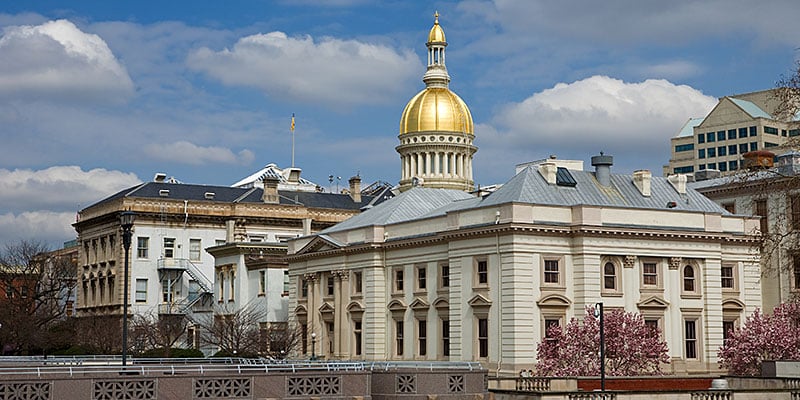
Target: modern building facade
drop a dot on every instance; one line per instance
(738, 124)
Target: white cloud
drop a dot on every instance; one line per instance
(52, 228)
(56, 59)
(59, 188)
(329, 71)
(633, 121)
(189, 153)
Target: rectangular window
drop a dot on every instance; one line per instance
(722, 151)
(329, 284)
(549, 324)
(701, 153)
(761, 211)
(701, 138)
(142, 246)
(194, 289)
(445, 269)
(701, 167)
(729, 207)
(194, 249)
(262, 282)
(743, 148)
(483, 272)
(445, 338)
(794, 132)
(727, 277)
(551, 273)
(733, 165)
(796, 268)
(303, 288)
(398, 280)
(712, 152)
(783, 132)
(650, 274)
(141, 290)
(421, 278)
(357, 337)
(684, 147)
(683, 170)
(722, 166)
(731, 134)
(219, 242)
(169, 247)
(742, 133)
(753, 146)
(398, 337)
(768, 145)
(652, 324)
(286, 283)
(358, 282)
(166, 291)
(233, 286)
(720, 136)
(770, 130)
(690, 338)
(753, 131)
(727, 328)
(732, 149)
(710, 137)
(422, 335)
(483, 337)
(795, 211)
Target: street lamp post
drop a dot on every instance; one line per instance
(598, 313)
(126, 219)
(313, 346)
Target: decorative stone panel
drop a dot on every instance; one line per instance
(455, 383)
(314, 386)
(124, 389)
(406, 384)
(225, 388)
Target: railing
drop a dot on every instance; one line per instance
(712, 395)
(422, 365)
(593, 396)
(189, 267)
(533, 384)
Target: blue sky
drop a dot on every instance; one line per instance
(96, 96)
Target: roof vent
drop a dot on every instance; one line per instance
(642, 179)
(602, 169)
(159, 177)
(163, 192)
(209, 195)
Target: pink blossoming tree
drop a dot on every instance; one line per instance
(763, 337)
(632, 347)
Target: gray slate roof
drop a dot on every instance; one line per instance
(228, 194)
(530, 187)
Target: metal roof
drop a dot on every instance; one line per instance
(688, 127)
(750, 108)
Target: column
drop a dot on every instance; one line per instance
(437, 166)
(338, 312)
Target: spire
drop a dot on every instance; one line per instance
(436, 75)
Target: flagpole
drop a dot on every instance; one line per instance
(292, 140)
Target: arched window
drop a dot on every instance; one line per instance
(610, 276)
(688, 278)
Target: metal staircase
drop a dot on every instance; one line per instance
(172, 269)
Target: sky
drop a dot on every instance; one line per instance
(97, 95)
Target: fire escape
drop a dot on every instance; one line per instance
(183, 296)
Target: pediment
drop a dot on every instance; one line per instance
(355, 307)
(419, 304)
(326, 308)
(732, 304)
(479, 301)
(554, 300)
(441, 303)
(653, 302)
(300, 310)
(318, 244)
(396, 305)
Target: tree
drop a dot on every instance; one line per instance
(632, 347)
(157, 332)
(788, 95)
(34, 288)
(233, 331)
(762, 337)
(281, 339)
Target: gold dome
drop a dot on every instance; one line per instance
(436, 109)
(436, 34)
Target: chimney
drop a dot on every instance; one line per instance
(602, 168)
(270, 195)
(678, 182)
(355, 188)
(229, 229)
(548, 170)
(641, 179)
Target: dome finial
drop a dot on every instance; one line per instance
(436, 18)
